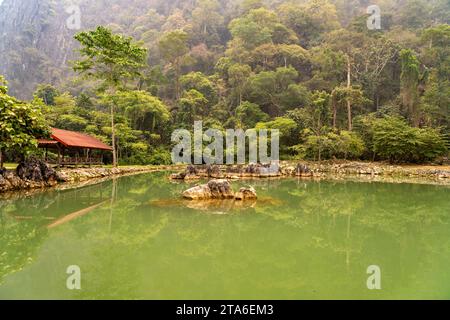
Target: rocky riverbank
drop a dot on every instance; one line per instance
(36, 174)
(316, 170)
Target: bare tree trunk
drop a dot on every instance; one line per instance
(349, 115)
(334, 103)
(349, 103)
(177, 81)
(113, 136)
(1, 159)
(111, 205)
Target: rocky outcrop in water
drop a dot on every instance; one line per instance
(246, 193)
(219, 189)
(214, 189)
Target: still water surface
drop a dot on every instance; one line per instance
(135, 239)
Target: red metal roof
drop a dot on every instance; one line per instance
(77, 140)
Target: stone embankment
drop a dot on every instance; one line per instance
(35, 174)
(313, 170)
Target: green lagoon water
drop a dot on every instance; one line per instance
(301, 240)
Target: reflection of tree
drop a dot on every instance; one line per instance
(316, 241)
(360, 220)
(24, 220)
(19, 244)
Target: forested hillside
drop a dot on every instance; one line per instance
(313, 69)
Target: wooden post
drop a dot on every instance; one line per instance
(59, 155)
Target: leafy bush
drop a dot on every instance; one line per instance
(396, 141)
(160, 157)
(349, 145)
(345, 145)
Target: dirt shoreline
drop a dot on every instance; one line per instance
(336, 170)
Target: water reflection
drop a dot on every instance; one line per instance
(315, 241)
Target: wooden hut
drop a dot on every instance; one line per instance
(73, 148)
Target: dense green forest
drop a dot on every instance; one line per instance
(334, 87)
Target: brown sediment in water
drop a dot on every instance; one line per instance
(215, 204)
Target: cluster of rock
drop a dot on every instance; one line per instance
(219, 189)
(34, 174)
(242, 171)
(31, 174)
(310, 169)
(379, 169)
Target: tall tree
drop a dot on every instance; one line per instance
(409, 82)
(238, 75)
(174, 49)
(113, 59)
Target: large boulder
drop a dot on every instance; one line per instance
(213, 171)
(191, 173)
(36, 170)
(13, 179)
(262, 170)
(214, 189)
(5, 185)
(303, 170)
(219, 189)
(246, 193)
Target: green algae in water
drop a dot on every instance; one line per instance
(315, 241)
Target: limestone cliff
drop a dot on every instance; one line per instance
(34, 45)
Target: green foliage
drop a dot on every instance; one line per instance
(409, 81)
(395, 140)
(345, 145)
(249, 114)
(254, 29)
(192, 107)
(303, 67)
(201, 83)
(20, 123)
(160, 156)
(286, 126)
(112, 58)
(145, 112)
(46, 93)
(276, 91)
